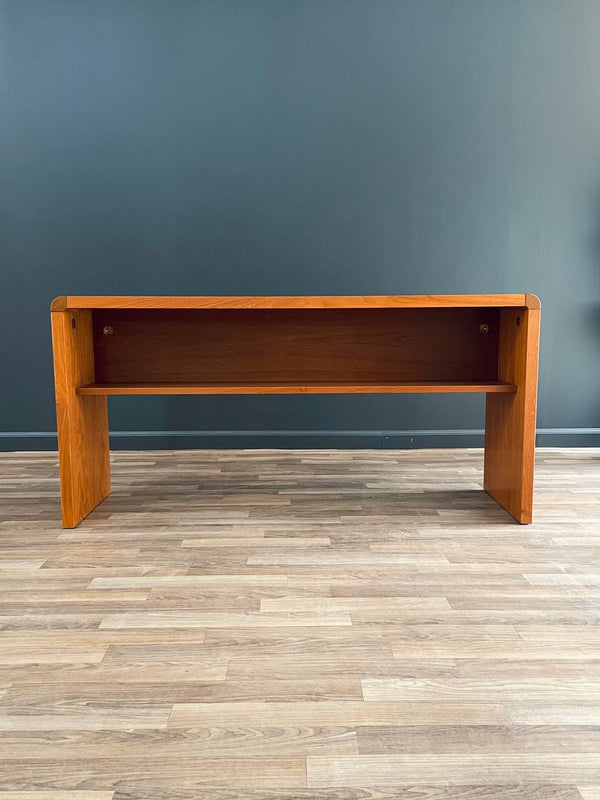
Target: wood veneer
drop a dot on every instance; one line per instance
(65, 302)
(287, 345)
(510, 420)
(296, 345)
(82, 422)
(368, 387)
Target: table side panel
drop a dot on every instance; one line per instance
(82, 422)
(511, 418)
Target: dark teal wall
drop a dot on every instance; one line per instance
(301, 147)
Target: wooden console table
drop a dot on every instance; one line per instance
(287, 345)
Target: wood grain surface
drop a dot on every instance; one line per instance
(82, 422)
(296, 387)
(299, 346)
(510, 420)
(300, 625)
(334, 301)
(291, 345)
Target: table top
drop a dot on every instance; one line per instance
(66, 302)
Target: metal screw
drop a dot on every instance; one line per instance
(484, 327)
(108, 330)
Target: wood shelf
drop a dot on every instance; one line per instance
(294, 387)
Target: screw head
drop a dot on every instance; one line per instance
(108, 330)
(484, 327)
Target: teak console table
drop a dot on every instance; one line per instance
(287, 345)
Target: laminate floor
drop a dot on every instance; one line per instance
(336, 625)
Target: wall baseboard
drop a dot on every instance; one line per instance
(309, 439)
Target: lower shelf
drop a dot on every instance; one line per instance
(293, 387)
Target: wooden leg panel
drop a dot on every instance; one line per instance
(510, 418)
(82, 421)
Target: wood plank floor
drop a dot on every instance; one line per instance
(286, 625)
